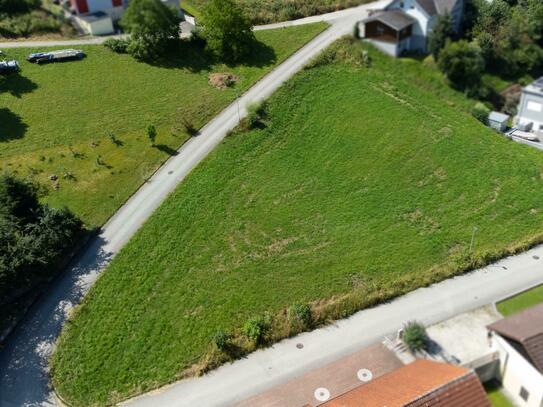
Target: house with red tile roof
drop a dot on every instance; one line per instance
(518, 339)
(421, 383)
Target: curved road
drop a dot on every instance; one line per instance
(23, 360)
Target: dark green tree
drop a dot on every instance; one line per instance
(151, 24)
(443, 30)
(227, 31)
(151, 133)
(11, 7)
(33, 236)
(463, 64)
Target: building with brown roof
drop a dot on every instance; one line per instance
(315, 387)
(519, 341)
(421, 383)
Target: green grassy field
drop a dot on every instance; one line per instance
(522, 301)
(269, 11)
(56, 119)
(362, 184)
(495, 395)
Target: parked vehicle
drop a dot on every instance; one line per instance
(9, 66)
(56, 56)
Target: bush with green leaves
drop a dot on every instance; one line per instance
(33, 237)
(151, 133)
(415, 336)
(480, 112)
(255, 114)
(118, 45)
(300, 317)
(463, 64)
(256, 328)
(221, 340)
(227, 32)
(152, 25)
(23, 25)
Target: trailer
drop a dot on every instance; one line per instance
(56, 56)
(9, 67)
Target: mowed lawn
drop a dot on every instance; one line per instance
(521, 302)
(362, 184)
(85, 121)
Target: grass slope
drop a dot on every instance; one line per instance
(269, 11)
(364, 184)
(56, 119)
(521, 302)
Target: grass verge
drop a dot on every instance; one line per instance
(362, 179)
(521, 302)
(495, 395)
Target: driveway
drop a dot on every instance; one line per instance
(23, 360)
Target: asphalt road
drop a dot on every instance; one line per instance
(23, 360)
(270, 367)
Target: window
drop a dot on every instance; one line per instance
(401, 4)
(380, 30)
(524, 395)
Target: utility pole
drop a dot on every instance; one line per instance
(472, 237)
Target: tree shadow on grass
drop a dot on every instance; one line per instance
(193, 56)
(11, 125)
(16, 85)
(166, 149)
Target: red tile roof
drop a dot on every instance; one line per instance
(421, 383)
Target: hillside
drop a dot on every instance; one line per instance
(363, 181)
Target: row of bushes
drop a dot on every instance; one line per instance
(23, 25)
(269, 11)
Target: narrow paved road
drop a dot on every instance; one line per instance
(267, 368)
(23, 360)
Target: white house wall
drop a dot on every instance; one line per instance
(420, 28)
(531, 110)
(515, 372)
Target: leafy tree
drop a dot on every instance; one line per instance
(33, 236)
(151, 24)
(443, 30)
(227, 31)
(11, 7)
(463, 64)
(415, 336)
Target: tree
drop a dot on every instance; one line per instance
(443, 30)
(151, 24)
(463, 64)
(11, 7)
(33, 237)
(151, 133)
(227, 31)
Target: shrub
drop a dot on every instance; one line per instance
(151, 133)
(442, 31)
(23, 25)
(220, 340)
(118, 45)
(299, 316)
(255, 114)
(415, 336)
(256, 328)
(463, 64)
(480, 112)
